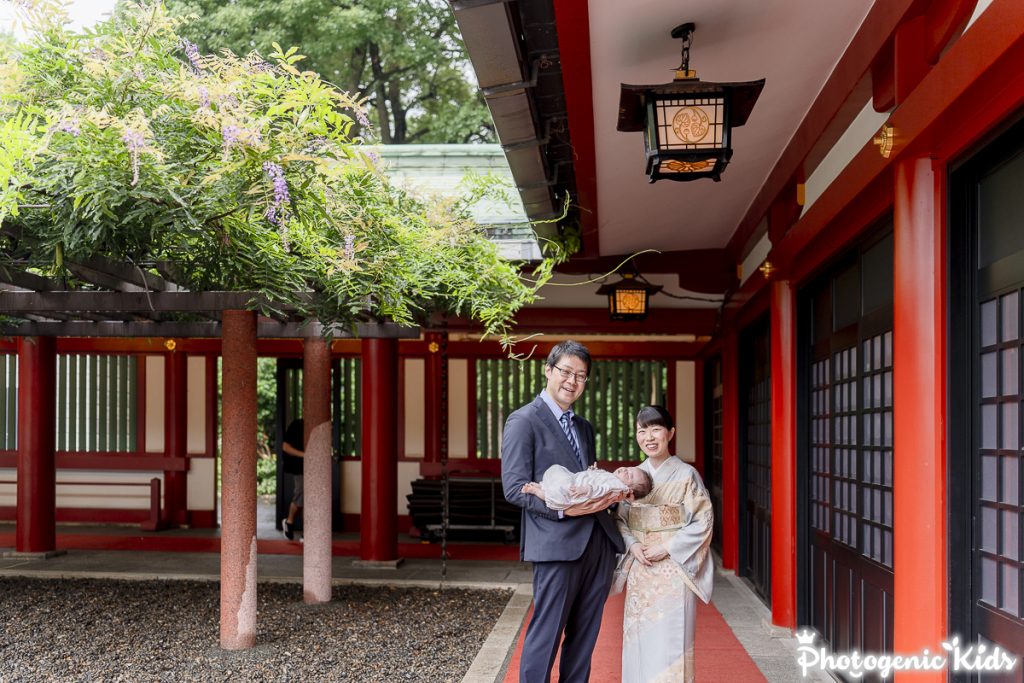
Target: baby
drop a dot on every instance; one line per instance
(560, 488)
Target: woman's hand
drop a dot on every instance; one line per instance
(637, 551)
(654, 553)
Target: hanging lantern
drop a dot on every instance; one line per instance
(628, 298)
(687, 124)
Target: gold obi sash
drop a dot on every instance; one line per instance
(655, 523)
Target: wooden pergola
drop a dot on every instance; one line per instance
(111, 299)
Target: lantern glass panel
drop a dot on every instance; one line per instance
(630, 301)
(690, 124)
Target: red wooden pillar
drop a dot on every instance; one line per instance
(730, 450)
(783, 440)
(36, 530)
(176, 428)
(699, 413)
(378, 523)
(433, 413)
(919, 409)
(238, 481)
(316, 414)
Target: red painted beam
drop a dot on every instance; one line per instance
(919, 368)
(828, 117)
(944, 21)
(976, 86)
(748, 303)
(569, 321)
(710, 271)
(36, 530)
(108, 461)
(572, 22)
(783, 440)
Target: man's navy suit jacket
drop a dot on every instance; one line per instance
(532, 442)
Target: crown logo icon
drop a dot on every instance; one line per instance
(806, 637)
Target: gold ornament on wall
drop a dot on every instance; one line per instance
(884, 140)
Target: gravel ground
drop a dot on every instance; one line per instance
(94, 630)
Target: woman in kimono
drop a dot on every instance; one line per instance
(667, 564)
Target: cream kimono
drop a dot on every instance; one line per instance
(661, 607)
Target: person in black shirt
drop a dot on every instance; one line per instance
(293, 455)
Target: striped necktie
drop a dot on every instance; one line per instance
(566, 422)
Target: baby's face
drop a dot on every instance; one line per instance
(630, 476)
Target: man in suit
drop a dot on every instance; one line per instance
(573, 551)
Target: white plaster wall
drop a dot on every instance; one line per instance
(755, 258)
(458, 407)
(202, 484)
(978, 9)
(351, 486)
(415, 392)
(154, 404)
(87, 496)
(8, 492)
(686, 410)
(860, 132)
(196, 433)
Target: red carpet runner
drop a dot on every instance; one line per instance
(719, 656)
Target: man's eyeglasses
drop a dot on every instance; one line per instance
(581, 377)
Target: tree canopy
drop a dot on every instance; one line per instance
(240, 173)
(405, 56)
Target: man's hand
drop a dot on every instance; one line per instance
(654, 553)
(596, 505)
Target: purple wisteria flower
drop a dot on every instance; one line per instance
(192, 52)
(350, 247)
(233, 135)
(230, 133)
(374, 157)
(361, 117)
(317, 145)
(73, 126)
(134, 140)
(204, 97)
(277, 212)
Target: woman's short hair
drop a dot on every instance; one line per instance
(650, 416)
(569, 348)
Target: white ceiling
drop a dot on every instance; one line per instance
(793, 44)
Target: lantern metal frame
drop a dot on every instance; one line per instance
(631, 287)
(698, 109)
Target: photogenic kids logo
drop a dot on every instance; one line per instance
(973, 657)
